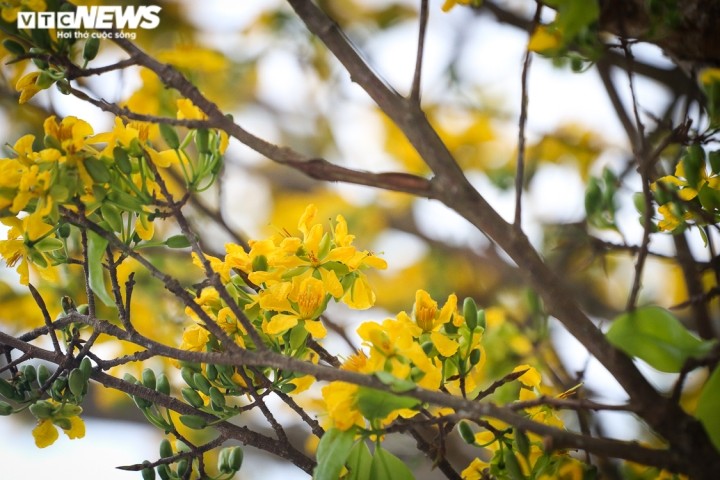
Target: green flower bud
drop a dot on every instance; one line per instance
(217, 398)
(43, 373)
(475, 356)
(42, 409)
(166, 449)
(466, 432)
(77, 382)
(202, 383)
(63, 230)
(187, 374)
(222, 461)
(129, 378)
(182, 467)
(211, 372)
(30, 373)
(192, 397)
(148, 474)
(193, 421)
(58, 388)
(163, 384)
(481, 321)
(235, 458)
(470, 313)
(86, 368)
(148, 378)
(164, 472)
(92, 45)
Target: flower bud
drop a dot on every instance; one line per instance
(192, 397)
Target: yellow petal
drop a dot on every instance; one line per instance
(543, 39)
(77, 428)
(360, 296)
(444, 345)
(531, 378)
(45, 434)
(144, 228)
(331, 283)
(315, 328)
(280, 323)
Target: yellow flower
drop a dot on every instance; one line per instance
(430, 320)
(144, 227)
(195, 338)
(77, 428)
(340, 403)
(474, 471)
(531, 378)
(303, 300)
(45, 433)
(122, 135)
(544, 39)
(19, 246)
(27, 86)
(71, 133)
(187, 110)
(360, 295)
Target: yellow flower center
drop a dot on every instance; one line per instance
(425, 316)
(310, 297)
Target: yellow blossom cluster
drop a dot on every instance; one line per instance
(283, 285)
(432, 347)
(107, 174)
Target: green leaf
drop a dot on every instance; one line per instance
(376, 404)
(169, 135)
(359, 462)
(654, 335)
(96, 250)
(386, 466)
(707, 408)
(177, 241)
(333, 449)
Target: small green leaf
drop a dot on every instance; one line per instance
(359, 461)
(97, 170)
(376, 404)
(333, 449)
(111, 214)
(96, 250)
(169, 135)
(654, 335)
(707, 408)
(49, 244)
(177, 241)
(386, 466)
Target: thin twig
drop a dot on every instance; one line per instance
(415, 91)
(524, 99)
